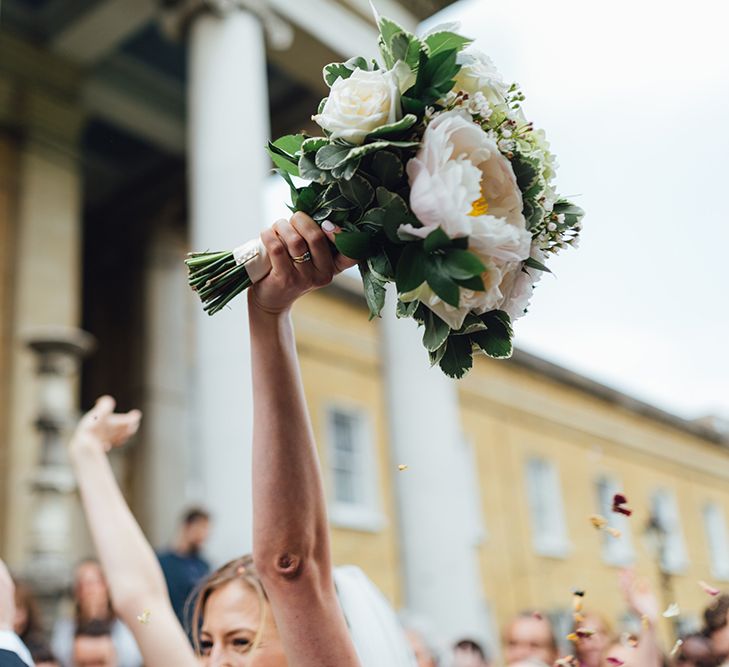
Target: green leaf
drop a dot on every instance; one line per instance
(495, 341)
(536, 264)
(441, 283)
(410, 269)
(374, 291)
(387, 167)
(405, 123)
(345, 171)
(307, 199)
(458, 357)
(358, 191)
(309, 171)
(334, 71)
(436, 332)
(471, 324)
(462, 264)
(435, 77)
(285, 163)
(436, 240)
(381, 267)
(411, 105)
(404, 310)
(475, 284)
(290, 143)
(355, 245)
(328, 157)
(442, 41)
(436, 356)
(526, 170)
(313, 144)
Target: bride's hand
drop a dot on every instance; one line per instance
(103, 428)
(301, 260)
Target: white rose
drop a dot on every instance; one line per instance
(360, 104)
(478, 74)
(459, 174)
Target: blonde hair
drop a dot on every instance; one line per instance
(241, 569)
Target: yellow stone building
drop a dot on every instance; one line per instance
(130, 132)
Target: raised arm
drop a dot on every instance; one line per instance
(643, 603)
(291, 545)
(136, 582)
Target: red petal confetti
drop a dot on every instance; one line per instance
(538, 615)
(710, 590)
(615, 661)
(619, 502)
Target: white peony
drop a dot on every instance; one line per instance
(360, 104)
(502, 248)
(457, 174)
(517, 286)
(478, 74)
(461, 183)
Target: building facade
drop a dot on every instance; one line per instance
(132, 132)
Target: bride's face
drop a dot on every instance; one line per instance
(231, 622)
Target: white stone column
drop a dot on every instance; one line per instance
(228, 128)
(440, 567)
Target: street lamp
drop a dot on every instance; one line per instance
(59, 351)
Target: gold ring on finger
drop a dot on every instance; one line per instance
(301, 259)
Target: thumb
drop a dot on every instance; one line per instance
(341, 262)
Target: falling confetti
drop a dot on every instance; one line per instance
(676, 648)
(580, 633)
(710, 590)
(613, 532)
(567, 661)
(629, 639)
(672, 611)
(402, 467)
(598, 521)
(614, 661)
(144, 617)
(619, 502)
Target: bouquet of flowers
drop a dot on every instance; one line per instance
(440, 185)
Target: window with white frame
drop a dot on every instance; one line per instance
(615, 550)
(718, 540)
(549, 526)
(674, 558)
(352, 467)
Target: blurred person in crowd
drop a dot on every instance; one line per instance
(28, 624)
(92, 602)
(695, 651)
(93, 645)
(589, 649)
(530, 662)
(644, 650)
(530, 635)
(13, 652)
(716, 627)
(425, 654)
(183, 564)
(44, 657)
(469, 653)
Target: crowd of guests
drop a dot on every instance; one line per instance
(91, 635)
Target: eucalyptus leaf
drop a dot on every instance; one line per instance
(443, 41)
(458, 357)
(328, 157)
(358, 191)
(436, 332)
(405, 123)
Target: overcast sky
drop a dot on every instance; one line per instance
(634, 97)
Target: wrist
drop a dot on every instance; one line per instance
(83, 444)
(255, 309)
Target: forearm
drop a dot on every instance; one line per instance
(648, 652)
(130, 565)
(290, 525)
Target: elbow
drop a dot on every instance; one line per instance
(283, 567)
